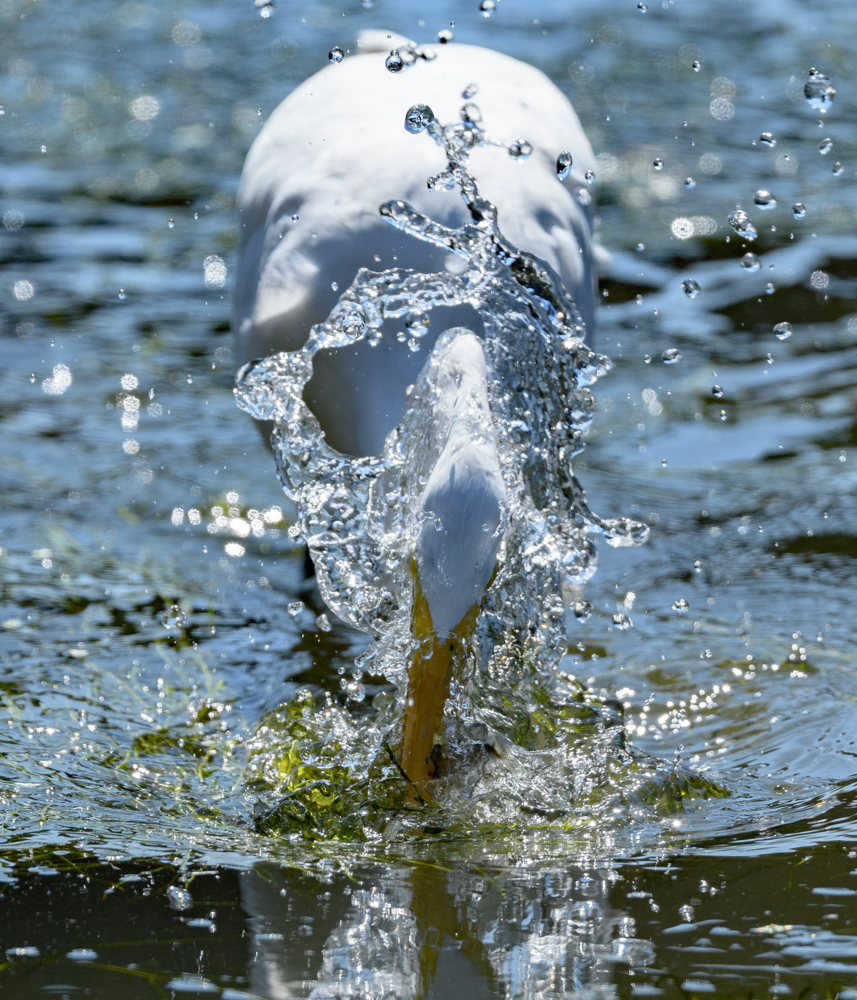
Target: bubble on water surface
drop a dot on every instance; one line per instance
(336, 55)
(751, 262)
(690, 287)
(741, 224)
(23, 290)
(764, 200)
(563, 164)
(783, 331)
(819, 91)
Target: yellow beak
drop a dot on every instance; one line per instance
(429, 677)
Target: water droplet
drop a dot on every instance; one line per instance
(769, 288)
(336, 55)
(563, 164)
(178, 898)
(295, 217)
(751, 262)
(640, 247)
(122, 294)
(394, 62)
(689, 183)
(723, 414)
(582, 196)
(696, 65)
(783, 331)
(764, 199)
(444, 36)
(717, 391)
(590, 176)
(690, 288)
(173, 617)
(171, 224)
(520, 149)
(658, 163)
(471, 90)
(487, 7)
(582, 610)
(641, 7)
(741, 224)
(295, 608)
(671, 356)
(686, 913)
(681, 605)
(837, 168)
(322, 623)
(767, 139)
(621, 622)
(799, 210)
(663, 463)
(818, 91)
(825, 146)
(418, 118)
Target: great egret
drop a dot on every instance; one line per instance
(309, 199)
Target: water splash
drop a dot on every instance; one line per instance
(512, 748)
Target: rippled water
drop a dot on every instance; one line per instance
(147, 574)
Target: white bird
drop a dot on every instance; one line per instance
(309, 199)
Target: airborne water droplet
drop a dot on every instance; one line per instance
(563, 164)
(444, 36)
(764, 199)
(671, 356)
(641, 7)
(740, 222)
(697, 65)
(690, 288)
(837, 168)
(582, 610)
(799, 210)
(717, 391)
(418, 118)
(681, 605)
(819, 91)
(487, 7)
(783, 331)
(750, 262)
(590, 176)
(825, 146)
(658, 163)
(336, 55)
(767, 139)
(689, 183)
(520, 149)
(394, 62)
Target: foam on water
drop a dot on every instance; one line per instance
(520, 734)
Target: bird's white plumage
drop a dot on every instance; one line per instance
(334, 151)
(309, 198)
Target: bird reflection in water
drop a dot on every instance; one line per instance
(421, 932)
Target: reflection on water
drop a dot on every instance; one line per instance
(129, 738)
